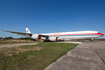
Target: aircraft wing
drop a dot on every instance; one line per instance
(19, 33)
(25, 34)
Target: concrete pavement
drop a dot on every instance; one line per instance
(99, 49)
(86, 56)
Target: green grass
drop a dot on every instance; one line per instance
(18, 41)
(37, 57)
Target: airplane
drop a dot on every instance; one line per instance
(61, 35)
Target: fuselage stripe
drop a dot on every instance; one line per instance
(99, 34)
(77, 35)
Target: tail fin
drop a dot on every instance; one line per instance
(27, 30)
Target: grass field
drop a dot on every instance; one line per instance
(33, 57)
(11, 41)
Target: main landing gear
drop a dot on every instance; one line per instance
(46, 41)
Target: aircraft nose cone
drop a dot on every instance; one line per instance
(101, 34)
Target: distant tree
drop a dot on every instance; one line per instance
(1, 38)
(7, 38)
(25, 38)
(10, 37)
(22, 38)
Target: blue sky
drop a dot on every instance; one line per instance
(48, 16)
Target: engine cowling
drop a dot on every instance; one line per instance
(53, 38)
(36, 36)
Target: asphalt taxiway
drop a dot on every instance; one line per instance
(86, 56)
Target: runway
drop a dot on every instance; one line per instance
(86, 56)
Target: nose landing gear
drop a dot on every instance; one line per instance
(91, 40)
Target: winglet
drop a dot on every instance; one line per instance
(4, 30)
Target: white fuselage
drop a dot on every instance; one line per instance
(75, 35)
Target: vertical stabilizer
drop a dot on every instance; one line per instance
(27, 30)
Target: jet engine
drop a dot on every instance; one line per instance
(53, 38)
(36, 36)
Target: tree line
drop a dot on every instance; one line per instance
(22, 38)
